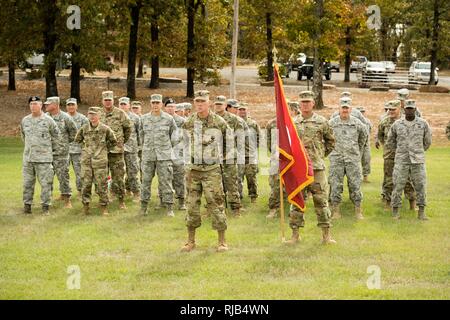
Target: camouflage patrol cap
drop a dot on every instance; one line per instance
(136, 104)
(393, 104)
(346, 94)
(243, 105)
(345, 102)
(202, 95)
(156, 97)
(125, 100)
(187, 106)
(294, 105)
(51, 100)
(220, 100)
(94, 110)
(361, 109)
(306, 96)
(402, 94)
(410, 103)
(232, 103)
(71, 101)
(33, 99)
(108, 95)
(179, 106)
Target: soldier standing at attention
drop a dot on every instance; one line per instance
(68, 130)
(120, 124)
(319, 141)
(96, 140)
(385, 125)
(136, 108)
(179, 109)
(230, 171)
(131, 149)
(250, 169)
(158, 132)
(187, 109)
(179, 175)
(75, 148)
(41, 135)
(274, 176)
(345, 159)
(410, 137)
(366, 156)
(207, 133)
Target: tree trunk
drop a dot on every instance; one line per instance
(154, 28)
(434, 41)
(140, 73)
(75, 73)
(11, 75)
(190, 58)
(348, 41)
(317, 73)
(49, 14)
(234, 46)
(132, 50)
(269, 46)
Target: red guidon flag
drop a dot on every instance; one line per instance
(295, 167)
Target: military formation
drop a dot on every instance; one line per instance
(207, 149)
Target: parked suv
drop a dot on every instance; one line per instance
(306, 69)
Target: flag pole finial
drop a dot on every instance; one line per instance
(275, 55)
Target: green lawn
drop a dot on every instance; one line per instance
(128, 256)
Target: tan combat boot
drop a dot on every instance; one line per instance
(86, 208)
(422, 215)
(395, 214)
(326, 236)
(412, 204)
(122, 205)
(236, 212)
(387, 205)
(222, 247)
(273, 213)
(104, 210)
(335, 211)
(67, 202)
(143, 210)
(45, 210)
(253, 200)
(358, 213)
(170, 210)
(190, 245)
(366, 179)
(295, 237)
(181, 204)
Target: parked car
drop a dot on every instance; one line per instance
(358, 64)
(374, 71)
(296, 60)
(420, 72)
(335, 65)
(390, 66)
(306, 69)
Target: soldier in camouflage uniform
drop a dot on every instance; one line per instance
(179, 109)
(131, 149)
(158, 133)
(41, 135)
(205, 133)
(121, 125)
(274, 176)
(74, 148)
(319, 141)
(68, 130)
(179, 175)
(393, 108)
(365, 157)
(187, 109)
(229, 167)
(250, 169)
(96, 140)
(136, 108)
(410, 137)
(345, 159)
(403, 95)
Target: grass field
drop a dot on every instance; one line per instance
(133, 257)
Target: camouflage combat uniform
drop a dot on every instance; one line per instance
(158, 134)
(229, 167)
(131, 149)
(205, 137)
(75, 149)
(68, 130)
(410, 140)
(250, 169)
(179, 174)
(345, 159)
(318, 139)
(121, 125)
(388, 166)
(96, 142)
(366, 156)
(41, 136)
